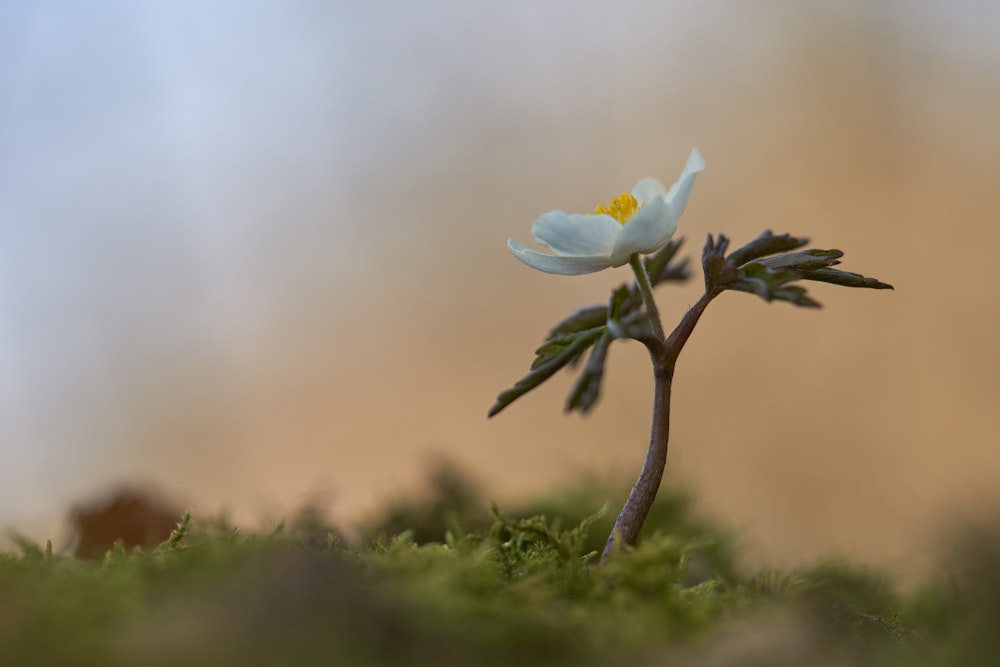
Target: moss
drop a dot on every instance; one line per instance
(514, 588)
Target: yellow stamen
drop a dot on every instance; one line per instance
(622, 208)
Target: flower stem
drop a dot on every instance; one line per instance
(640, 500)
(646, 290)
(675, 343)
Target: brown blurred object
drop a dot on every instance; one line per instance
(135, 517)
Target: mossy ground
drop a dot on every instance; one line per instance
(443, 582)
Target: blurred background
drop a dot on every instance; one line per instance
(253, 254)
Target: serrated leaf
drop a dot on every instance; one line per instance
(540, 372)
(771, 284)
(553, 347)
(764, 245)
(792, 293)
(803, 261)
(772, 276)
(587, 389)
(846, 278)
(620, 303)
(795, 295)
(769, 276)
(581, 320)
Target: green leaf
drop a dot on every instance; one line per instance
(587, 389)
(553, 347)
(757, 269)
(552, 356)
(804, 260)
(570, 338)
(624, 301)
(772, 285)
(846, 278)
(581, 320)
(764, 245)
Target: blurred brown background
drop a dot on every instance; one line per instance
(255, 254)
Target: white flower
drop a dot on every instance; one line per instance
(640, 222)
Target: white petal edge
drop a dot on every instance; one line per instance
(647, 232)
(680, 191)
(559, 265)
(576, 235)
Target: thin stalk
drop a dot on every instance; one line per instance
(646, 290)
(675, 343)
(640, 500)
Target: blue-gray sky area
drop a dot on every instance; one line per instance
(254, 253)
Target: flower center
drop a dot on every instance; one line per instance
(622, 208)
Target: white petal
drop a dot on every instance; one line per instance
(647, 189)
(681, 190)
(566, 266)
(647, 232)
(576, 235)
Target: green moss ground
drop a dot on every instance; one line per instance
(443, 582)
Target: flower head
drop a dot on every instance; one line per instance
(638, 222)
